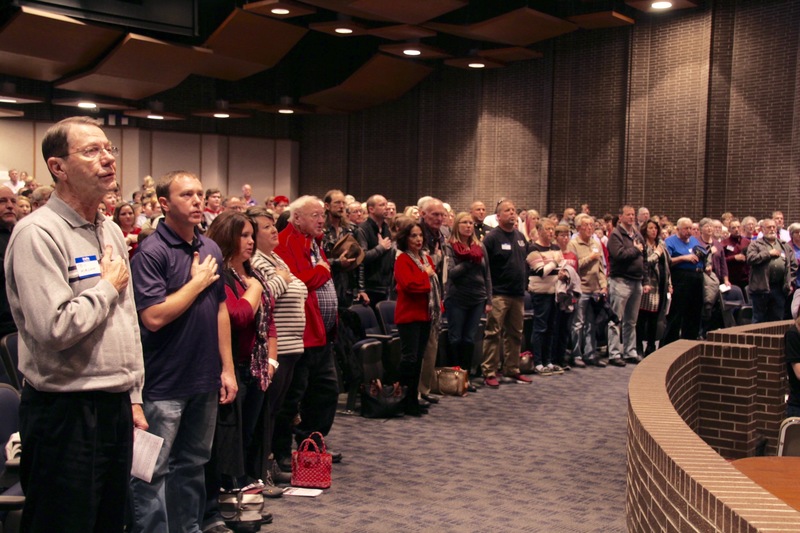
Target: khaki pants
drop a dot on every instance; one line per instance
(429, 362)
(504, 325)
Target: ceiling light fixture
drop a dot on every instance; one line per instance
(154, 111)
(9, 95)
(343, 26)
(473, 62)
(286, 111)
(660, 6)
(92, 105)
(222, 110)
(279, 9)
(11, 113)
(415, 50)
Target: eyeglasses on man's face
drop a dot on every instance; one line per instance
(93, 152)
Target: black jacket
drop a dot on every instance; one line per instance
(378, 262)
(626, 260)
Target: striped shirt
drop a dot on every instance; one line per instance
(290, 298)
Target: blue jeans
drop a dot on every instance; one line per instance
(175, 498)
(462, 322)
(543, 327)
(768, 306)
(625, 295)
(584, 341)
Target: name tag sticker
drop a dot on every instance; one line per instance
(729, 248)
(87, 266)
(783, 255)
(505, 246)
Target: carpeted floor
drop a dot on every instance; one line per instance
(546, 457)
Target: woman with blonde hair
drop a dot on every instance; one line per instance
(412, 211)
(532, 225)
(468, 290)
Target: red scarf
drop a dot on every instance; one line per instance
(472, 253)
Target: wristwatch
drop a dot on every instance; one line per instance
(274, 363)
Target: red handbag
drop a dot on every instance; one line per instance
(311, 467)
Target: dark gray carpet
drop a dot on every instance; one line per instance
(546, 457)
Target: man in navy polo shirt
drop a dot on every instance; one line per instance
(187, 356)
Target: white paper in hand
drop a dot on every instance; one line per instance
(146, 448)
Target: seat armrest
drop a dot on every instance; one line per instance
(11, 503)
(380, 336)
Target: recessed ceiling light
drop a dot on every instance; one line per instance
(411, 52)
(661, 5)
(155, 117)
(87, 105)
(8, 100)
(476, 65)
(279, 11)
(222, 115)
(286, 111)
(343, 31)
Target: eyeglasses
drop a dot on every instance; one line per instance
(93, 152)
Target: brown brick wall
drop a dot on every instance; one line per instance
(771, 382)
(666, 121)
(690, 114)
(589, 99)
(675, 481)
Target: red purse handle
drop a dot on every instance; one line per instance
(305, 444)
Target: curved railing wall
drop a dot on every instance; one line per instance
(692, 407)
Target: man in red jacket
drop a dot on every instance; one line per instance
(314, 389)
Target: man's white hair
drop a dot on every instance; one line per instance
(302, 202)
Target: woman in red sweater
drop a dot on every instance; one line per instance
(417, 306)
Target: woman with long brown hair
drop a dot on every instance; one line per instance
(653, 308)
(255, 345)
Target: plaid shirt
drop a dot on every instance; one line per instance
(326, 295)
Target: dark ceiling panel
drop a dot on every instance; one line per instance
(381, 79)
(520, 27)
(345, 7)
(137, 68)
(401, 32)
(226, 68)
(601, 19)
(408, 11)
(513, 53)
(252, 38)
(45, 46)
